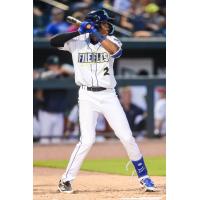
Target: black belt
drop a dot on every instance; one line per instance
(95, 89)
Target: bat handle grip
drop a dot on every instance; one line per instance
(88, 26)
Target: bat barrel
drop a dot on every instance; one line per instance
(73, 20)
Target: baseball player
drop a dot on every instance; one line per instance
(94, 50)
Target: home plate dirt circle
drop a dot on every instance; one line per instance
(94, 186)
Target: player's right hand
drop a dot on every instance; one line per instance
(86, 27)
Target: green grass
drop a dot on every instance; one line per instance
(156, 165)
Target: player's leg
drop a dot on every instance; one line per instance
(88, 119)
(36, 127)
(116, 117)
(45, 122)
(58, 127)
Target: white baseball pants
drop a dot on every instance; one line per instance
(51, 124)
(90, 105)
(36, 127)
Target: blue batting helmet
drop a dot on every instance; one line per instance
(98, 16)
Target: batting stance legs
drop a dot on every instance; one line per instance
(107, 103)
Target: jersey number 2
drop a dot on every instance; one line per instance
(106, 71)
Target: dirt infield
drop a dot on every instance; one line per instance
(108, 149)
(92, 186)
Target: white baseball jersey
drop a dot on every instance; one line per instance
(93, 65)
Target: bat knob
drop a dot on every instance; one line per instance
(88, 26)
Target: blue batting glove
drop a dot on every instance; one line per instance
(86, 27)
(94, 32)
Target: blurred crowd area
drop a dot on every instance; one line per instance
(55, 111)
(132, 18)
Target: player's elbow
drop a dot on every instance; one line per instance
(53, 42)
(56, 41)
(117, 53)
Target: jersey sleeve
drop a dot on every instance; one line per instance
(66, 47)
(116, 41)
(119, 44)
(70, 45)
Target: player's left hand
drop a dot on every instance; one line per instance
(86, 27)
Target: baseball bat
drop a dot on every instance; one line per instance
(75, 21)
(56, 4)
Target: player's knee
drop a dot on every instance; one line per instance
(88, 143)
(127, 138)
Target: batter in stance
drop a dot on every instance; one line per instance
(93, 52)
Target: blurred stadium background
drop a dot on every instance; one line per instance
(140, 72)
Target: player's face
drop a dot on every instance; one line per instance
(104, 28)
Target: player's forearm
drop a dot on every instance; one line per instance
(67, 69)
(111, 47)
(60, 39)
(48, 74)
